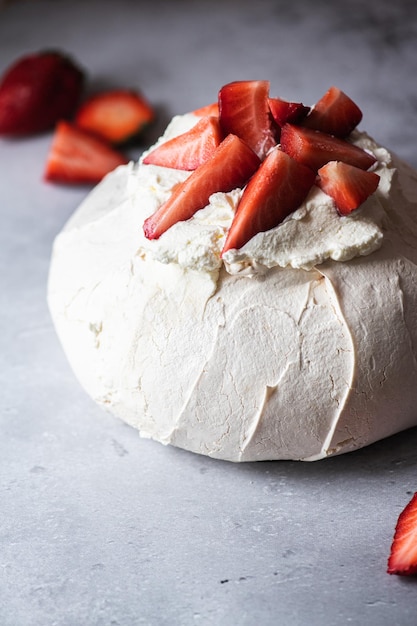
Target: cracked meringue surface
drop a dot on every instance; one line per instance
(286, 351)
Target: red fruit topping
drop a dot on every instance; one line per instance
(244, 111)
(209, 109)
(314, 148)
(77, 157)
(403, 556)
(190, 149)
(335, 113)
(278, 187)
(116, 115)
(349, 186)
(283, 111)
(230, 166)
(37, 91)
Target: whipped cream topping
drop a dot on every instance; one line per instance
(312, 234)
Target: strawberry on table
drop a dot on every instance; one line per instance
(349, 186)
(335, 113)
(244, 111)
(230, 166)
(278, 187)
(403, 555)
(190, 149)
(76, 157)
(116, 115)
(315, 148)
(38, 90)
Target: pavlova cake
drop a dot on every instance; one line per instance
(248, 289)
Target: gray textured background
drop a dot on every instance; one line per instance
(100, 528)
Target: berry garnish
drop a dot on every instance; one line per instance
(230, 166)
(190, 149)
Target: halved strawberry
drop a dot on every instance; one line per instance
(76, 157)
(283, 111)
(335, 113)
(314, 148)
(278, 187)
(38, 90)
(230, 166)
(244, 111)
(349, 186)
(190, 149)
(403, 555)
(116, 115)
(209, 109)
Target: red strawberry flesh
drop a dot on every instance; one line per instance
(244, 111)
(37, 91)
(335, 113)
(116, 115)
(403, 555)
(283, 111)
(231, 165)
(76, 157)
(278, 187)
(190, 149)
(349, 186)
(314, 148)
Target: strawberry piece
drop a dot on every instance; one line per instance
(116, 115)
(76, 157)
(335, 113)
(209, 109)
(314, 148)
(190, 149)
(283, 111)
(278, 187)
(244, 111)
(230, 166)
(37, 91)
(403, 555)
(349, 186)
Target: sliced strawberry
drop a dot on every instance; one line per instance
(209, 109)
(244, 111)
(230, 166)
(403, 555)
(37, 91)
(283, 111)
(349, 186)
(190, 149)
(335, 113)
(314, 148)
(76, 157)
(278, 187)
(116, 115)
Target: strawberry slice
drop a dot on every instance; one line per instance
(76, 157)
(37, 91)
(283, 111)
(335, 113)
(116, 115)
(403, 555)
(278, 187)
(230, 166)
(349, 186)
(244, 111)
(314, 148)
(190, 149)
(209, 109)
